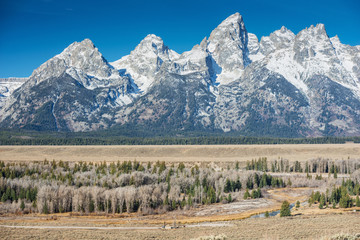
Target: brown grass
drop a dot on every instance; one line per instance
(197, 154)
(297, 227)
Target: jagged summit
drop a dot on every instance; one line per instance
(85, 43)
(278, 39)
(154, 39)
(151, 43)
(285, 32)
(152, 46)
(78, 48)
(231, 29)
(145, 61)
(81, 60)
(235, 18)
(227, 45)
(313, 42)
(317, 31)
(283, 29)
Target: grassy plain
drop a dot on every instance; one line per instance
(179, 153)
(319, 226)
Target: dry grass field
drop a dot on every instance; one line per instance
(179, 153)
(320, 226)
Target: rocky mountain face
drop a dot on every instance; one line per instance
(8, 86)
(283, 85)
(70, 92)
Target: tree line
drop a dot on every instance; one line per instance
(22, 137)
(318, 165)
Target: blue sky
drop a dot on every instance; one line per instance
(32, 31)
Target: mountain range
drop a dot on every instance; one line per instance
(286, 85)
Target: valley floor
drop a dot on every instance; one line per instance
(319, 226)
(179, 153)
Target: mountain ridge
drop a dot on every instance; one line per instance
(283, 85)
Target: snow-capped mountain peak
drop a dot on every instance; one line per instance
(279, 39)
(153, 46)
(230, 32)
(84, 62)
(234, 19)
(285, 33)
(227, 45)
(145, 61)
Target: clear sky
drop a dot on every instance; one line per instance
(32, 31)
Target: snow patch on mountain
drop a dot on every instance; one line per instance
(282, 62)
(348, 55)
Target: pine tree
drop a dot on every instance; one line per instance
(357, 201)
(297, 204)
(237, 165)
(28, 196)
(254, 194)
(345, 201)
(257, 179)
(4, 197)
(212, 195)
(273, 182)
(250, 183)
(173, 205)
(246, 194)
(263, 181)
(227, 187)
(45, 208)
(91, 206)
(267, 214)
(238, 185)
(322, 201)
(289, 183)
(189, 202)
(285, 209)
(259, 193)
(22, 205)
(229, 198)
